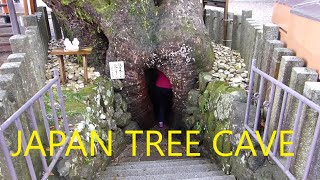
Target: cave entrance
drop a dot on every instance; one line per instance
(160, 94)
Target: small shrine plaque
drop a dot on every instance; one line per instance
(117, 70)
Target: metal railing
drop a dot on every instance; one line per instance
(28, 108)
(302, 101)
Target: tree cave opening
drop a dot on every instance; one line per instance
(160, 93)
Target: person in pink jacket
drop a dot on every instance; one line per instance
(163, 97)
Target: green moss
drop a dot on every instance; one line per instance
(74, 102)
(83, 15)
(87, 91)
(105, 7)
(207, 103)
(65, 2)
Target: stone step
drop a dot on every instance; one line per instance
(6, 34)
(174, 176)
(158, 171)
(161, 161)
(226, 177)
(159, 164)
(5, 47)
(5, 25)
(3, 15)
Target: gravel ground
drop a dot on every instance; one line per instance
(261, 10)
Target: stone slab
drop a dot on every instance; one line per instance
(18, 43)
(11, 67)
(209, 22)
(286, 65)
(229, 30)
(308, 123)
(16, 57)
(245, 15)
(276, 60)
(236, 32)
(299, 76)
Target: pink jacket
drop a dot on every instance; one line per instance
(163, 81)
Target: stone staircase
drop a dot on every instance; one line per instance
(187, 168)
(5, 34)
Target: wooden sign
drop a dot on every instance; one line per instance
(117, 70)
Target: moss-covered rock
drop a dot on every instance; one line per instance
(98, 115)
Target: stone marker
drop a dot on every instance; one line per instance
(270, 31)
(230, 30)
(56, 27)
(18, 43)
(6, 81)
(253, 35)
(267, 54)
(245, 14)
(218, 26)
(245, 41)
(45, 20)
(299, 76)
(276, 59)
(274, 66)
(16, 57)
(308, 122)
(210, 22)
(11, 67)
(236, 32)
(286, 65)
(30, 20)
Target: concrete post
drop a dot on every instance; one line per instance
(43, 29)
(245, 41)
(256, 47)
(285, 70)
(16, 57)
(276, 59)
(18, 43)
(218, 26)
(44, 12)
(299, 76)
(30, 20)
(57, 27)
(32, 23)
(274, 66)
(252, 30)
(36, 55)
(245, 14)
(267, 54)
(230, 30)
(270, 31)
(308, 123)
(10, 67)
(236, 32)
(210, 21)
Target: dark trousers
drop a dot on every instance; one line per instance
(162, 104)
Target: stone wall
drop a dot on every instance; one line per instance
(214, 107)
(106, 111)
(20, 78)
(261, 42)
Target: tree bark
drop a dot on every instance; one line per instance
(170, 37)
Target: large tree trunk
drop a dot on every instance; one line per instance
(170, 37)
